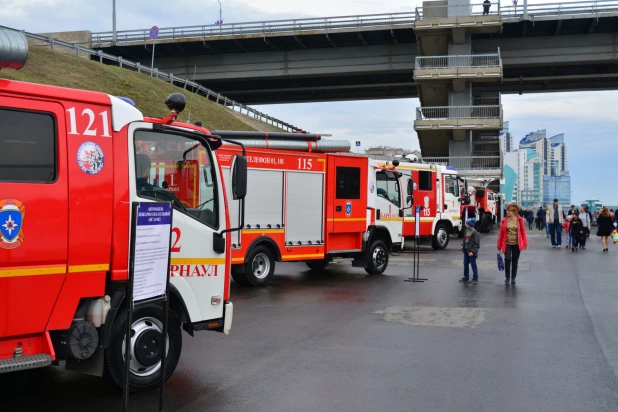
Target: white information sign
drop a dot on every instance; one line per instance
(152, 250)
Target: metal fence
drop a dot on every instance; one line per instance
(459, 112)
(358, 21)
(462, 163)
(259, 28)
(558, 9)
(169, 77)
(458, 61)
(446, 11)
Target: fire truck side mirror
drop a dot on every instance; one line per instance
(410, 187)
(239, 177)
(410, 200)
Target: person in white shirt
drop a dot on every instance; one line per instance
(585, 219)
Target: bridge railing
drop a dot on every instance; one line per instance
(459, 112)
(257, 28)
(463, 163)
(446, 11)
(170, 77)
(556, 9)
(458, 61)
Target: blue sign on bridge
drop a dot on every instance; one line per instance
(154, 32)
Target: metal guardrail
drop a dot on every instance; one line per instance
(558, 9)
(464, 10)
(175, 80)
(459, 112)
(462, 163)
(259, 28)
(458, 61)
(357, 21)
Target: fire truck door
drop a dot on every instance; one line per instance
(349, 204)
(390, 203)
(34, 214)
(451, 195)
(196, 271)
(407, 184)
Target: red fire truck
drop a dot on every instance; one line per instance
(437, 190)
(482, 202)
(71, 164)
(314, 207)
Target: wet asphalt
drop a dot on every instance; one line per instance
(315, 342)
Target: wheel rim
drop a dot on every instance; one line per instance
(260, 265)
(379, 257)
(442, 236)
(146, 334)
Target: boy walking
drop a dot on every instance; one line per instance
(470, 247)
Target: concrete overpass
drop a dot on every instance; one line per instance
(561, 47)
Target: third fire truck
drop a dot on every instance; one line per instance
(438, 191)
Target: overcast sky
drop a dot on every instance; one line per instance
(588, 120)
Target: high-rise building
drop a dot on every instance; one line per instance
(557, 187)
(536, 173)
(531, 194)
(506, 139)
(538, 142)
(558, 156)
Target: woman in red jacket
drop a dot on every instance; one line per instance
(512, 239)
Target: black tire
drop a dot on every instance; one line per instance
(317, 265)
(377, 258)
(239, 277)
(144, 316)
(259, 266)
(440, 237)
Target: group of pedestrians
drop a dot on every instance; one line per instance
(513, 239)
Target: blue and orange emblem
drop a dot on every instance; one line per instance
(12, 213)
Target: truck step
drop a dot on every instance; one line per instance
(24, 362)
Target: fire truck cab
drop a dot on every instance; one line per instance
(71, 164)
(437, 191)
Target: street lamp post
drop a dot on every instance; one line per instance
(114, 21)
(220, 16)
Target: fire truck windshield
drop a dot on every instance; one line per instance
(174, 167)
(451, 185)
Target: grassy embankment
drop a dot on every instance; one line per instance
(60, 69)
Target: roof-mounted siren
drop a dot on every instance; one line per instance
(13, 49)
(176, 103)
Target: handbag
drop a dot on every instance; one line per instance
(500, 263)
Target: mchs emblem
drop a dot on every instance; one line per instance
(12, 213)
(90, 158)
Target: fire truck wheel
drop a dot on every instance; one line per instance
(146, 342)
(317, 265)
(378, 258)
(440, 237)
(240, 277)
(259, 266)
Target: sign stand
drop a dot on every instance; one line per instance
(416, 249)
(149, 276)
(153, 33)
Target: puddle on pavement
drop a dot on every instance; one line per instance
(445, 317)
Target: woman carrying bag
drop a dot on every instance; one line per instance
(512, 239)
